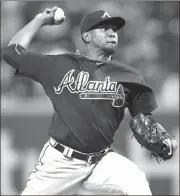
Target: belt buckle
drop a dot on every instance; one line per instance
(93, 158)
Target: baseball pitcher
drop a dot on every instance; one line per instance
(89, 94)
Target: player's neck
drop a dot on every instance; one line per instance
(94, 55)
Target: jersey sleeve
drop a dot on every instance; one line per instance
(143, 102)
(34, 66)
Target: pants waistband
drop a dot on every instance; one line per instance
(71, 153)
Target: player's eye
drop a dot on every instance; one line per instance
(107, 28)
(114, 29)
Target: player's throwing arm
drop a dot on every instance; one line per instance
(49, 17)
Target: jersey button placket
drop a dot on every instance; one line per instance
(97, 68)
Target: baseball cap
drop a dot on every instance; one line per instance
(100, 17)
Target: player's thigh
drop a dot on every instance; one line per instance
(55, 174)
(115, 174)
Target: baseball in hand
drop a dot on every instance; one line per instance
(59, 15)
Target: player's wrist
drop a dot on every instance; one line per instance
(40, 19)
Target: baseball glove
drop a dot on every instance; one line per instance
(152, 136)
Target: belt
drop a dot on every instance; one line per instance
(71, 153)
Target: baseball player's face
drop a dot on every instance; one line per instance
(105, 37)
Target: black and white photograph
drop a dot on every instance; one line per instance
(90, 97)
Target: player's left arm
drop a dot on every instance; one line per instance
(146, 129)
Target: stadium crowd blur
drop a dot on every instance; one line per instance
(149, 42)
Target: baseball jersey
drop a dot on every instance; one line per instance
(87, 125)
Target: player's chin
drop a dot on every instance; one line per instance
(111, 48)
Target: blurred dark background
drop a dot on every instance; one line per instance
(149, 42)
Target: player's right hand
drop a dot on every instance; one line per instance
(47, 17)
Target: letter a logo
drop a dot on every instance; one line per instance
(106, 14)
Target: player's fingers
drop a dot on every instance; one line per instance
(54, 8)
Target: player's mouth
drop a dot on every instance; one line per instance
(112, 42)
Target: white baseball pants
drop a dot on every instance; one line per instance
(56, 174)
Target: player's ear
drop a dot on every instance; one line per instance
(86, 36)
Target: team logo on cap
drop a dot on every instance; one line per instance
(106, 14)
